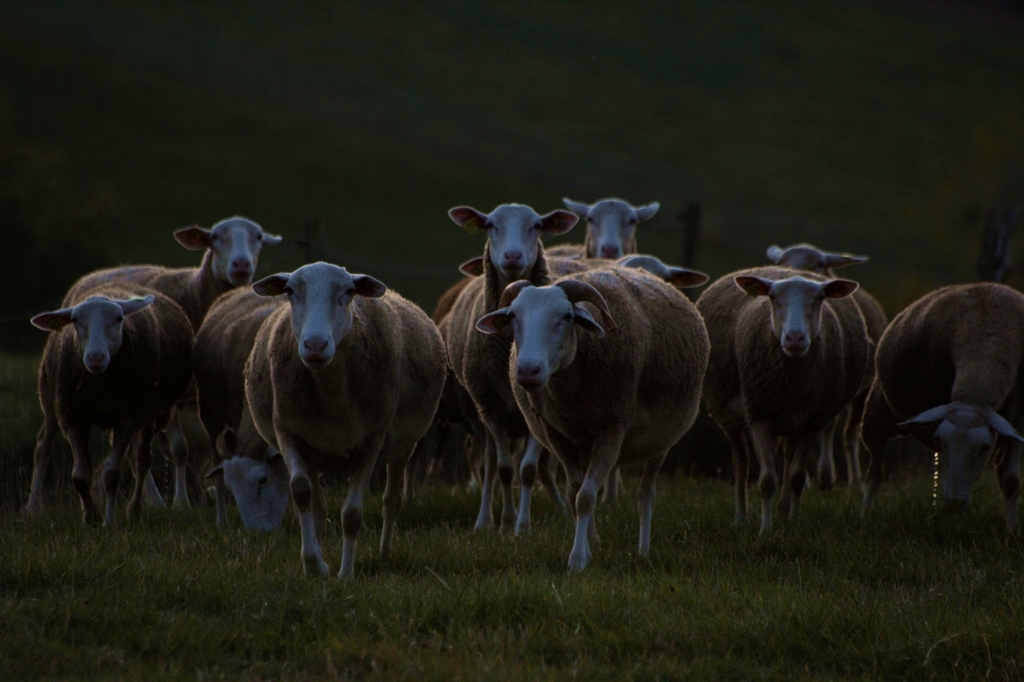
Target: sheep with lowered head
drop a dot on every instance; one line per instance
(788, 352)
(119, 358)
(607, 368)
(232, 247)
(346, 376)
(480, 363)
(223, 344)
(949, 371)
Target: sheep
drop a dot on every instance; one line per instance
(480, 363)
(809, 257)
(222, 346)
(117, 358)
(787, 354)
(624, 389)
(611, 226)
(232, 247)
(345, 376)
(949, 370)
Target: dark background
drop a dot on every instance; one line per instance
(888, 129)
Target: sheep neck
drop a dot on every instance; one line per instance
(495, 283)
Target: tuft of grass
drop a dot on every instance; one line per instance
(912, 592)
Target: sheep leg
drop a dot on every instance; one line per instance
(737, 437)
(506, 471)
(178, 447)
(826, 459)
(602, 459)
(547, 479)
(352, 512)
(612, 487)
(484, 518)
(41, 460)
(764, 446)
(392, 505)
(302, 495)
(152, 493)
(1008, 475)
(120, 442)
(444, 432)
(527, 478)
(475, 447)
(144, 460)
(220, 494)
(851, 440)
(803, 447)
(409, 482)
(81, 473)
(645, 500)
(878, 429)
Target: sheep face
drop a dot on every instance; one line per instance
(611, 223)
(513, 231)
(795, 307)
(807, 257)
(320, 295)
(965, 436)
(235, 243)
(98, 323)
(543, 320)
(260, 491)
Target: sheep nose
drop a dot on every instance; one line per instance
(528, 374)
(315, 345)
(241, 267)
(795, 338)
(610, 252)
(512, 258)
(95, 361)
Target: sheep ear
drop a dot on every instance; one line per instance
(368, 287)
(134, 305)
(838, 260)
(684, 278)
(474, 267)
(839, 288)
(775, 253)
(558, 222)
(577, 207)
(468, 218)
(647, 211)
(928, 417)
(53, 321)
(215, 472)
(1003, 427)
(754, 286)
(194, 238)
(585, 320)
(273, 285)
(271, 239)
(492, 323)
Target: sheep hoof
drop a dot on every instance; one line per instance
(314, 566)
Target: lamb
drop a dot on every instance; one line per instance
(222, 346)
(232, 248)
(346, 376)
(809, 257)
(480, 363)
(611, 228)
(949, 370)
(622, 390)
(787, 354)
(118, 358)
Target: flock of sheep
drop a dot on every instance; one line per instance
(588, 353)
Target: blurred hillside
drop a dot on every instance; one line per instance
(880, 128)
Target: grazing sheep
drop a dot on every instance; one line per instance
(222, 346)
(787, 354)
(346, 376)
(949, 371)
(480, 363)
(809, 257)
(232, 248)
(118, 358)
(611, 228)
(622, 390)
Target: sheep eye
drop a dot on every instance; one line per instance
(288, 291)
(262, 481)
(259, 237)
(120, 319)
(568, 317)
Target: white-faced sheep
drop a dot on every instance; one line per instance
(611, 228)
(232, 248)
(810, 258)
(949, 371)
(622, 388)
(480, 363)
(348, 375)
(222, 347)
(788, 352)
(119, 358)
